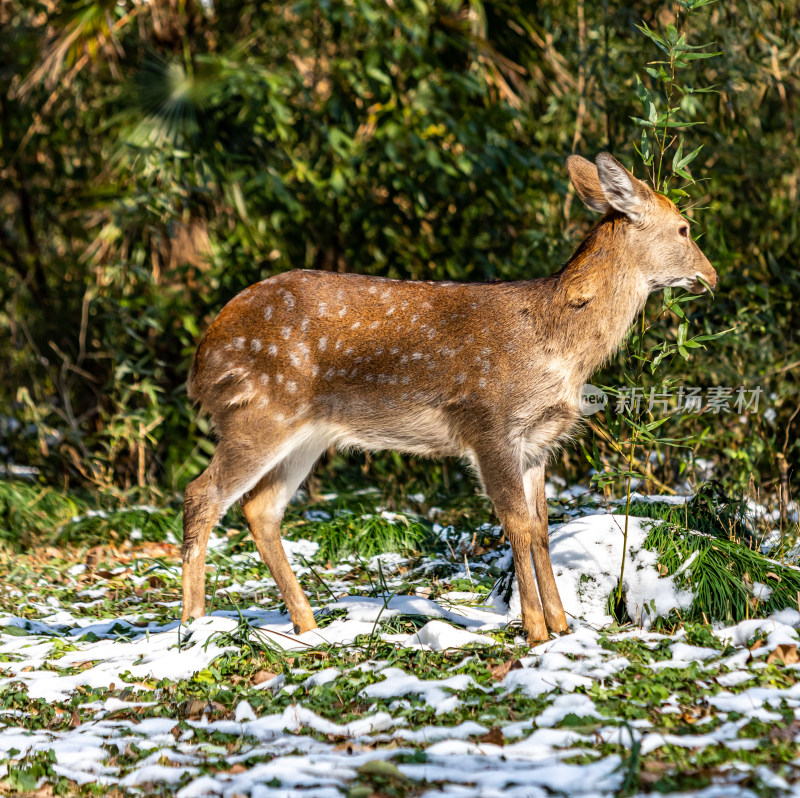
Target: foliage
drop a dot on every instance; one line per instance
(352, 531)
(157, 158)
(723, 574)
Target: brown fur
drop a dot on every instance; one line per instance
(488, 372)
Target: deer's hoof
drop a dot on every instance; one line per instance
(537, 629)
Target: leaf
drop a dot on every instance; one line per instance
(499, 672)
(493, 736)
(785, 653)
(680, 163)
(261, 676)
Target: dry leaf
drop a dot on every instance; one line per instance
(259, 677)
(193, 707)
(756, 645)
(494, 736)
(75, 720)
(500, 672)
(786, 653)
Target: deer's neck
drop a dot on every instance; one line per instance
(602, 292)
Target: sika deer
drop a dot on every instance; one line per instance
(486, 372)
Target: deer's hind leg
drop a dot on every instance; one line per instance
(206, 500)
(263, 508)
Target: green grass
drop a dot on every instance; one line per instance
(722, 575)
(366, 534)
(711, 511)
(32, 515)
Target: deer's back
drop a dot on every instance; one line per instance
(392, 363)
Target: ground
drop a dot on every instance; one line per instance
(416, 682)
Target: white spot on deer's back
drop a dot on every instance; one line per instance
(272, 349)
(255, 344)
(286, 332)
(304, 325)
(264, 379)
(482, 382)
(356, 325)
(349, 351)
(431, 333)
(414, 319)
(394, 350)
(314, 370)
(390, 311)
(461, 377)
(268, 312)
(329, 374)
(406, 380)
(374, 325)
(295, 359)
(404, 359)
(343, 311)
(279, 378)
(288, 298)
(322, 308)
(340, 294)
(238, 343)
(291, 386)
(416, 356)
(379, 351)
(373, 289)
(339, 343)
(323, 343)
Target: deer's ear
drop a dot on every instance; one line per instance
(623, 191)
(585, 178)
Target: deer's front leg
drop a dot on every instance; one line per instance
(540, 549)
(502, 478)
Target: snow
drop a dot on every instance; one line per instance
(586, 555)
(289, 749)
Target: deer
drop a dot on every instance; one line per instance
(487, 372)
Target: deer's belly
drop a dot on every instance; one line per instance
(425, 431)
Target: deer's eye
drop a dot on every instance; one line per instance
(684, 230)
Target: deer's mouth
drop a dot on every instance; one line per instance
(702, 282)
